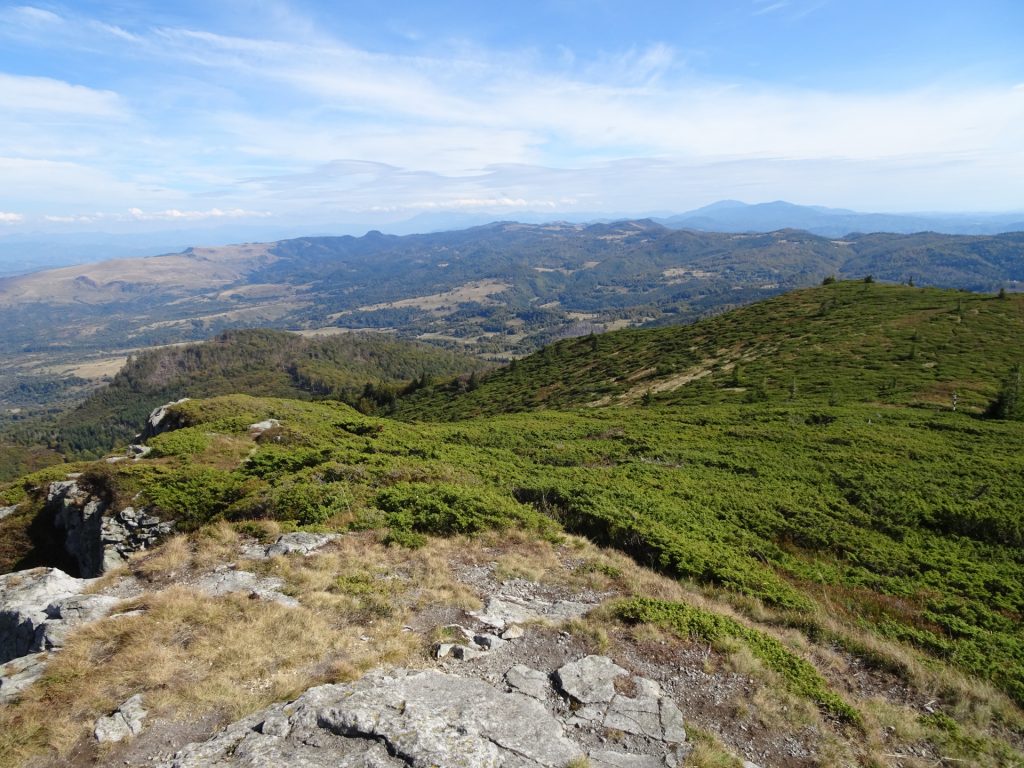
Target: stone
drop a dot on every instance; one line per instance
(590, 680)
(123, 723)
(748, 764)
(527, 681)
(514, 632)
(465, 653)
(8, 511)
(95, 538)
(226, 581)
(19, 674)
(420, 719)
(300, 542)
(489, 642)
(65, 613)
(24, 599)
(137, 451)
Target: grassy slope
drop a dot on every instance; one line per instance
(847, 342)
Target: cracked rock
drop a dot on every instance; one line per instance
(413, 719)
(125, 722)
(590, 680)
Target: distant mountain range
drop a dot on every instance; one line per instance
(734, 216)
(22, 253)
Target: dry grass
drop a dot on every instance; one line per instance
(709, 752)
(194, 656)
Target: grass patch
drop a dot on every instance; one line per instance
(801, 678)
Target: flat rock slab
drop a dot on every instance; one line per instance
(590, 680)
(418, 719)
(528, 681)
(125, 722)
(647, 712)
(503, 610)
(226, 581)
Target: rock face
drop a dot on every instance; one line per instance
(95, 538)
(433, 718)
(30, 609)
(125, 722)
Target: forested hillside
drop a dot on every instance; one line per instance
(366, 370)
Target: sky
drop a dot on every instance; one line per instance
(135, 116)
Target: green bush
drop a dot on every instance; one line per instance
(444, 509)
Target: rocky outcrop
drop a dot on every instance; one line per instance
(419, 719)
(8, 511)
(123, 723)
(162, 419)
(434, 718)
(96, 538)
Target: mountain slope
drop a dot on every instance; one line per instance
(843, 342)
(499, 288)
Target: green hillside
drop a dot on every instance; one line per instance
(838, 343)
(835, 521)
(259, 362)
(780, 473)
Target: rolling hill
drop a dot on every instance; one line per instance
(843, 342)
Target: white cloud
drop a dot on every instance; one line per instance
(10, 218)
(43, 94)
(173, 214)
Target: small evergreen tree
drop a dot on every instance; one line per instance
(1008, 404)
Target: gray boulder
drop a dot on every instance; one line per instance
(161, 419)
(8, 511)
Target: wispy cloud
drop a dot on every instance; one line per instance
(224, 126)
(43, 94)
(7, 217)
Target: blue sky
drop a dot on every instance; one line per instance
(121, 116)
